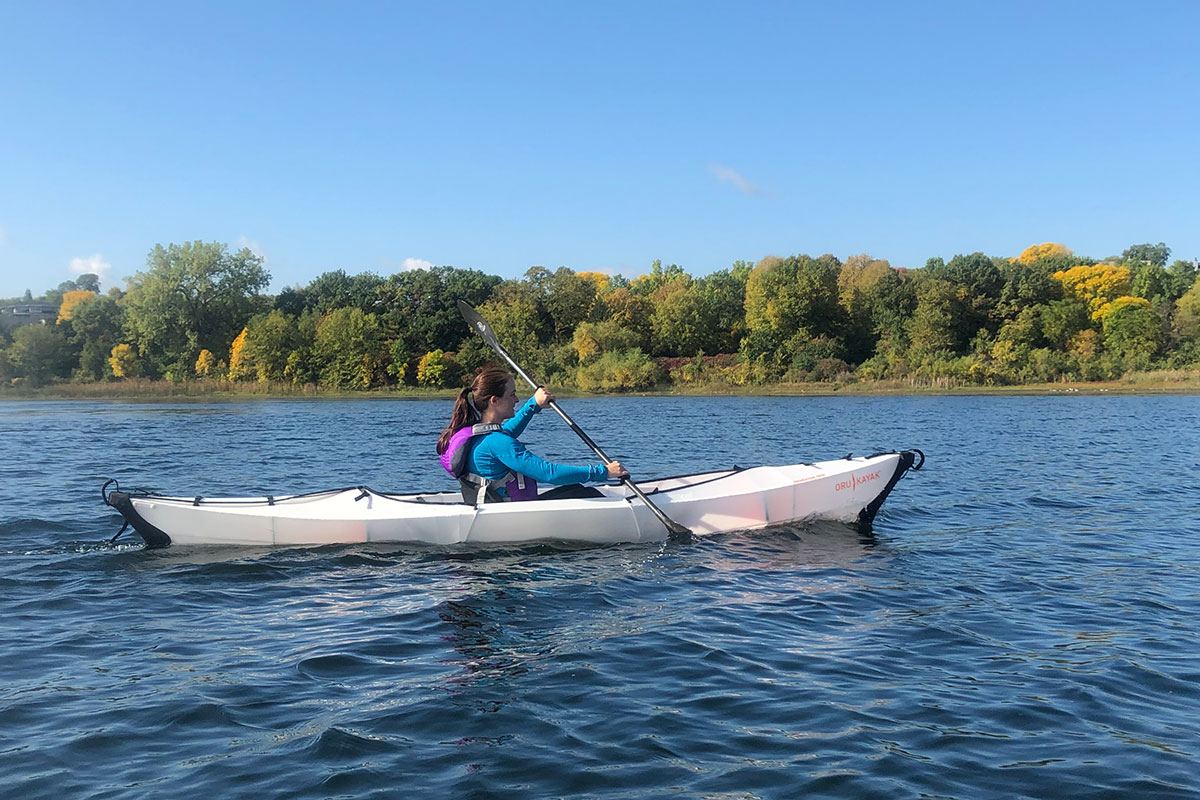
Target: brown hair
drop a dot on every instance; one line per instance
(488, 382)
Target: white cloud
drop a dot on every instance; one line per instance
(251, 245)
(414, 263)
(95, 265)
(728, 175)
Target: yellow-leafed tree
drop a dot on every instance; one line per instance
(431, 369)
(124, 361)
(858, 274)
(70, 300)
(1097, 285)
(238, 366)
(1036, 252)
(602, 280)
(205, 363)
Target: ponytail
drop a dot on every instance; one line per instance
(474, 397)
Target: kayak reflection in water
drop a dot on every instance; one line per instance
(481, 449)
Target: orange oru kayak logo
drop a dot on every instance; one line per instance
(856, 480)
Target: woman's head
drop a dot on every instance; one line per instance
(488, 384)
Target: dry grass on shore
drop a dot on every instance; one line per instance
(1153, 382)
(201, 389)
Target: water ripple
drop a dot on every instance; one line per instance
(1022, 622)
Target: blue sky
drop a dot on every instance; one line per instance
(382, 136)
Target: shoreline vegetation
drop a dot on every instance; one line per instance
(203, 389)
(198, 322)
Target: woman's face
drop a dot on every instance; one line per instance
(506, 405)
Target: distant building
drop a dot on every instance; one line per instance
(17, 314)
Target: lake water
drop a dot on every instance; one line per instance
(1024, 622)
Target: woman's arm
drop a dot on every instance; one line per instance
(516, 425)
(513, 455)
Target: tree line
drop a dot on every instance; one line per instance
(200, 311)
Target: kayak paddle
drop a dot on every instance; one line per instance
(676, 532)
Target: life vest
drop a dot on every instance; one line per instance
(476, 488)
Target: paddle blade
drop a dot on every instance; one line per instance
(479, 324)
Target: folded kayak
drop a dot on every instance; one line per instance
(847, 490)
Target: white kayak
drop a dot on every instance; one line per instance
(847, 490)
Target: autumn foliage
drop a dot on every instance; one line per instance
(72, 299)
(199, 311)
(1097, 285)
(1041, 252)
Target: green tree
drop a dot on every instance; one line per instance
(1154, 254)
(301, 366)
(941, 321)
(513, 314)
(857, 296)
(350, 351)
(566, 297)
(620, 371)
(980, 277)
(650, 282)
(39, 353)
(1150, 282)
(631, 311)
(790, 301)
(1012, 349)
(819, 359)
(270, 339)
(420, 306)
(1180, 277)
(593, 339)
(679, 324)
(94, 329)
(723, 296)
(891, 302)
(88, 282)
(1062, 320)
(858, 274)
(1186, 321)
(331, 290)
(398, 367)
(191, 297)
(1133, 331)
(1025, 285)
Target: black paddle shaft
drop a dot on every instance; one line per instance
(479, 324)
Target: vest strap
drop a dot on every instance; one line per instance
(477, 489)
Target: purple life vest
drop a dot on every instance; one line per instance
(455, 461)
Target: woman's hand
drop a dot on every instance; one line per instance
(615, 470)
(543, 397)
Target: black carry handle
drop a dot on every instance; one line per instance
(677, 532)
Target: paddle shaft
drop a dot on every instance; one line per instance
(566, 417)
(677, 531)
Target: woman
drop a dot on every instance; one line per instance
(481, 449)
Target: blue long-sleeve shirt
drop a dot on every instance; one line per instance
(498, 453)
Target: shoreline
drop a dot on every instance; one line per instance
(163, 391)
